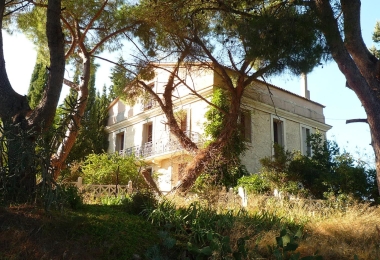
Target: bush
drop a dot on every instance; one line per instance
(72, 196)
(113, 200)
(255, 183)
(327, 171)
(111, 169)
(139, 201)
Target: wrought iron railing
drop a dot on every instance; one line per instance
(161, 146)
(148, 104)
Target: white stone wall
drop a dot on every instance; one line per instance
(294, 110)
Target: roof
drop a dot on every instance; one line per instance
(287, 91)
(256, 80)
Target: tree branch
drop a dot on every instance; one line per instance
(98, 13)
(110, 36)
(73, 37)
(353, 36)
(71, 84)
(358, 120)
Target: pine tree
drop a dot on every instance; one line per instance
(38, 81)
(91, 137)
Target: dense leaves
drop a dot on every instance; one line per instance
(110, 169)
(326, 173)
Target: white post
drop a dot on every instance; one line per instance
(130, 188)
(79, 182)
(243, 195)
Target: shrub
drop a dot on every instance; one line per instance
(72, 196)
(113, 200)
(326, 173)
(255, 183)
(139, 201)
(111, 169)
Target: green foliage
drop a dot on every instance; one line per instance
(71, 196)
(254, 184)
(113, 200)
(286, 244)
(38, 82)
(199, 232)
(161, 251)
(276, 28)
(376, 39)
(122, 79)
(216, 122)
(140, 201)
(215, 118)
(92, 137)
(111, 169)
(225, 169)
(327, 173)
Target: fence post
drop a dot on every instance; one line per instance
(243, 194)
(130, 188)
(79, 182)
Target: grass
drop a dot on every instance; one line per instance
(109, 232)
(92, 232)
(328, 230)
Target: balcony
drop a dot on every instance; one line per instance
(148, 104)
(160, 147)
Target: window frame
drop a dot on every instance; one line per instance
(120, 141)
(273, 119)
(312, 131)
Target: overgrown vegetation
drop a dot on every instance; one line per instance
(91, 232)
(141, 227)
(110, 169)
(327, 174)
(225, 168)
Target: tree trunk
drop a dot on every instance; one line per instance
(23, 125)
(359, 66)
(203, 157)
(68, 141)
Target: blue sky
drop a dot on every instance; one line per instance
(326, 84)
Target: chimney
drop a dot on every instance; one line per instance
(304, 91)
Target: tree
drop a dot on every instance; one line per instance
(16, 115)
(92, 138)
(38, 81)
(339, 21)
(218, 36)
(226, 167)
(89, 27)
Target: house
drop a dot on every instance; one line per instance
(270, 115)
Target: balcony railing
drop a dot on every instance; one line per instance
(161, 146)
(148, 104)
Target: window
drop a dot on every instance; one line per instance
(181, 118)
(278, 126)
(278, 131)
(148, 102)
(245, 125)
(183, 123)
(147, 140)
(119, 142)
(305, 145)
(147, 132)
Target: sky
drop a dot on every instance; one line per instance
(325, 83)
